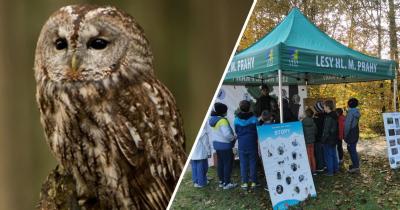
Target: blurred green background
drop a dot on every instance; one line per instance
(191, 42)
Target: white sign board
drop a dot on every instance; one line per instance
(391, 122)
(285, 162)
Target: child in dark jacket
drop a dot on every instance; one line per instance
(245, 127)
(351, 134)
(329, 138)
(310, 132)
(319, 119)
(341, 120)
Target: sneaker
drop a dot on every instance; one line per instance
(266, 188)
(244, 186)
(320, 170)
(254, 185)
(198, 186)
(229, 186)
(354, 170)
(314, 173)
(220, 184)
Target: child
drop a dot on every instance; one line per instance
(319, 119)
(341, 120)
(221, 135)
(351, 134)
(199, 160)
(329, 138)
(266, 119)
(310, 132)
(246, 131)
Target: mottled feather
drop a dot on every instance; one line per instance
(110, 123)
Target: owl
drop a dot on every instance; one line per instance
(107, 119)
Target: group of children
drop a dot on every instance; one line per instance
(324, 132)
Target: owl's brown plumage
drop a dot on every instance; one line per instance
(107, 119)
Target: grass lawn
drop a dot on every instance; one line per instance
(377, 187)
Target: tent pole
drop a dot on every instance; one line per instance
(395, 90)
(280, 95)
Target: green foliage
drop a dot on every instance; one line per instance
(361, 25)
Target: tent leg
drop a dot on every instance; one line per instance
(280, 95)
(395, 90)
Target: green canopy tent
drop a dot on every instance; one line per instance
(297, 52)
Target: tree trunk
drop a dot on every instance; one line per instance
(58, 192)
(394, 52)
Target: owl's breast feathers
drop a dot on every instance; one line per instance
(111, 136)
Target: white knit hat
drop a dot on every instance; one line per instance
(319, 106)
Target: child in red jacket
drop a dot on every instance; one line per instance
(341, 120)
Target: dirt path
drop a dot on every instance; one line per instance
(376, 147)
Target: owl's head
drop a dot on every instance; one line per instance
(84, 43)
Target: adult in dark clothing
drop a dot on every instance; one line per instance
(274, 112)
(319, 119)
(287, 113)
(330, 138)
(264, 101)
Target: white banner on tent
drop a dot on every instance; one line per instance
(285, 162)
(232, 95)
(391, 122)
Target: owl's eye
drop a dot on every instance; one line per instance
(61, 43)
(97, 44)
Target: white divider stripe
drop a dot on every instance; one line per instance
(210, 106)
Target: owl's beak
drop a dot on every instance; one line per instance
(73, 73)
(74, 63)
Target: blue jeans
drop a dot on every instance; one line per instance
(331, 159)
(319, 155)
(199, 171)
(224, 167)
(248, 160)
(352, 148)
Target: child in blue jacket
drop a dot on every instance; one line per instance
(352, 134)
(245, 127)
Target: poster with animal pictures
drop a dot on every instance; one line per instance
(285, 162)
(391, 123)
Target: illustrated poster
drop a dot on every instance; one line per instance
(285, 162)
(392, 132)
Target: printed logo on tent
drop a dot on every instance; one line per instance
(270, 57)
(294, 57)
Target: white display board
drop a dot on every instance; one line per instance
(391, 122)
(285, 162)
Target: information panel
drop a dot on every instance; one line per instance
(286, 166)
(391, 122)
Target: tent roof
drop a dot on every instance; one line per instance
(305, 53)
